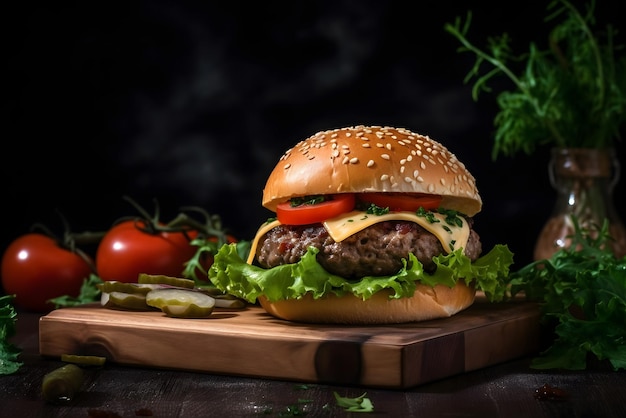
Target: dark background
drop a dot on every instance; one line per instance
(192, 103)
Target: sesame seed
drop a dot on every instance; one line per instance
(354, 160)
(416, 173)
(365, 145)
(388, 146)
(385, 156)
(403, 161)
(442, 181)
(370, 163)
(408, 179)
(287, 166)
(402, 169)
(379, 145)
(345, 160)
(422, 165)
(384, 177)
(431, 188)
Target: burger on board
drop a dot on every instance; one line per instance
(373, 226)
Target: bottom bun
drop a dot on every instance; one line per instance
(427, 303)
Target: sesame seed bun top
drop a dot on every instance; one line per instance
(362, 159)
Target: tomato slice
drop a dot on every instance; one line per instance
(315, 213)
(402, 202)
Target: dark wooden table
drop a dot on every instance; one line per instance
(504, 390)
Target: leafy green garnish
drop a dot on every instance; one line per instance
(429, 215)
(452, 218)
(582, 289)
(9, 353)
(373, 209)
(195, 267)
(358, 404)
(308, 200)
(571, 94)
(89, 292)
(231, 274)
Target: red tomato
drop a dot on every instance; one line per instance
(402, 202)
(35, 268)
(314, 213)
(126, 250)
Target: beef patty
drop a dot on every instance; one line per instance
(374, 251)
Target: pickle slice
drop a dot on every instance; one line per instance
(62, 384)
(115, 286)
(83, 360)
(132, 301)
(223, 300)
(181, 303)
(168, 280)
(229, 302)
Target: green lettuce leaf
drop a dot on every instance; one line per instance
(9, 352)
(231, 274)
(582, 293)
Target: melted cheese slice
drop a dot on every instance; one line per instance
(264, 229)
(347, 224)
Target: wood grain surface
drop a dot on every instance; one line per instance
(252, 343)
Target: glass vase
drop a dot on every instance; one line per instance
(584, 180)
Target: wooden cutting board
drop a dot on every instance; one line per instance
(252, 343)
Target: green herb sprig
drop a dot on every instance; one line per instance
(9, 352)
(582, 289)
(358, 404)
(570, 94)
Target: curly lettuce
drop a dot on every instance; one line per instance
(231, 274)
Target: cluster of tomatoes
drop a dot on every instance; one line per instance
(37, 267)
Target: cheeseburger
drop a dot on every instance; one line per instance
(373, 226)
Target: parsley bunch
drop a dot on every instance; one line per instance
(583, 290)
(570, 94)
(9, 353)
